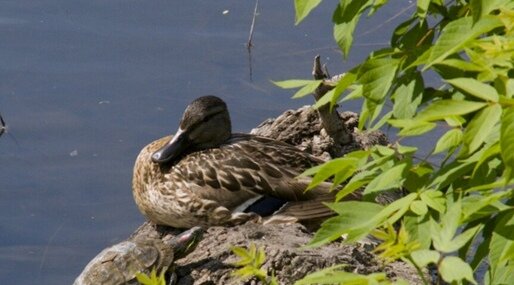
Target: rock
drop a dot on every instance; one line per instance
(211, 262)
(302, 128)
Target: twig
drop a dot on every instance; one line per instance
(250, 37)
(2, 125)
(329, 118)
(249, 44)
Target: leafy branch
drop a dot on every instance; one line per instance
(467, 199)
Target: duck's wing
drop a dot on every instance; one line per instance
(253, 164)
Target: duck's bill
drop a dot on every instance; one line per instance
(171, 150)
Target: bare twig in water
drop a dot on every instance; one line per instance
(249, 43)
(250, 37)
(2, 125)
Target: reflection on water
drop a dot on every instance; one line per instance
(84, 85)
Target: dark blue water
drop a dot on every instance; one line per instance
(84, 85)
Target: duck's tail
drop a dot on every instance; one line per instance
(311, 209)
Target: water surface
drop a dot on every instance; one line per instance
(84, 85)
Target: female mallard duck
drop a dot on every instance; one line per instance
(204, 173)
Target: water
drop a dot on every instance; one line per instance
(84, 85)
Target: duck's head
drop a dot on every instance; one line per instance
(205, 124)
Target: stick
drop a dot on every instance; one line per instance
(329, 118)
(249, 43)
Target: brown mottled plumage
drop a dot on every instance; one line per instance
(200, 176)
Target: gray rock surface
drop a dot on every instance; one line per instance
(212, 262)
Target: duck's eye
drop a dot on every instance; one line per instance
(205, 119)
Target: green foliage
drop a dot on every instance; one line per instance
(152, 279)
(395, 244)
(307, 86)
(335, 275)
(466, 198)
(250, 263)
(303, 8)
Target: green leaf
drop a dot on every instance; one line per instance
(345, 18)
(480, 127)
(333, 95)
(490, 151)
(502, 239)
(303, 8)
(487, 187)
(407, 97)
(434, 199)
(307, 86)
(481, 8)
(455, 121)
(403, 149)
(441, 109)
(370, 112)
(143, 278)
(335, 275)
(355, 94)
(443, 234)
(477, 206)
(507, 141)
(461, 240)
(151, 279)
(342, 208)
(419, 207)
(450, 173)
(325, 99)
(358, 219)
(383, 150)
(443, 237)
(385, 118)
(424, 257)
(357, 181)
(355, 219)
(510, 88)
(307, 89)
(456, 35)
(418, 228)
(411, 127)
(422, 8)
(453, 269)
(293, 83)
(417, 177)
(508, 253)
(342, 168)
(346, 165)
(389, 179)
(475, 88)
(244, 255)
(376, 76)
(392, 212)
(449, 140)
(461, 64)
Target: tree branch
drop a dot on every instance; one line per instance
(330, 118)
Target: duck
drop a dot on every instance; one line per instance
(205, 175)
